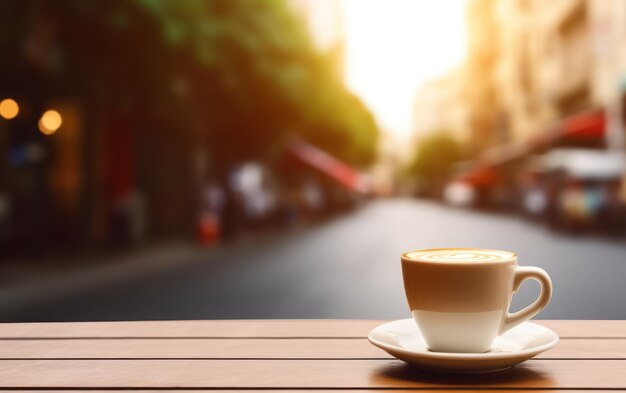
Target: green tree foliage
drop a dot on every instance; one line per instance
(266, 62)
(244, 72)
(435, 156)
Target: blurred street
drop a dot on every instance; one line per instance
(347, 267)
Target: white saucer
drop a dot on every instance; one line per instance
(403, 340)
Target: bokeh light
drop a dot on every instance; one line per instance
(9, 109)
(50, 122)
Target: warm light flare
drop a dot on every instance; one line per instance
(50, 122)
(394, 46)
(9, 109)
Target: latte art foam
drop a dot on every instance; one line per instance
(461, 255)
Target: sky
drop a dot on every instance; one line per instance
(392, 46)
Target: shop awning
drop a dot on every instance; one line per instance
(587, 127)
(329, 165)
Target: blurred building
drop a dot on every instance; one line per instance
(543, 86)
(608, 49)
(544, 68)
(116, 128)
(533, 63)
(478, 74)
(438, 107)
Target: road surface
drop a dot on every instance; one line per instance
(349, 267)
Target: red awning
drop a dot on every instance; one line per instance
(329, 165)
(480, 176)
(586, 126)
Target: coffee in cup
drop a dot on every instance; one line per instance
(460, 297)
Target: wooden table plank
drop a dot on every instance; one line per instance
(136, 358)
(327, 390)
(564, 374)
(259, 328)
(586, 328)
(427, 390)
(216, 328)
(258, 348)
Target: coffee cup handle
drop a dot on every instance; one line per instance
(523, 273)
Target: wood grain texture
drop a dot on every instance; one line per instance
(258, 349)
(260, 328)
(329, 390)
(190, 329)
(586, 328)
(286, 355)
(534, 374)
(325, 390)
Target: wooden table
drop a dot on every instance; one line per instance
(283, 355)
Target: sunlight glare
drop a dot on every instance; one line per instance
(393, 46)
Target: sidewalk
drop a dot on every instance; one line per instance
(27, 282)
(24, 283)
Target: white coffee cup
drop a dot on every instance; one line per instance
(460, 297)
